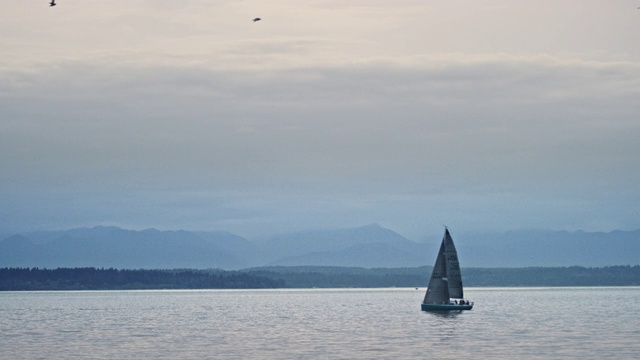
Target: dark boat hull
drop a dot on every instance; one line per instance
(445, 307)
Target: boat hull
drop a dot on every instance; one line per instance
(445, 307)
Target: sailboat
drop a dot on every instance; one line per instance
(445, 286)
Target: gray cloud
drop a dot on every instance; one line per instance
(187, 116)
(377, 133)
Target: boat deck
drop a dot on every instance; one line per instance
(446, 307)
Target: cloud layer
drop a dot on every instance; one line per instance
(159, 116)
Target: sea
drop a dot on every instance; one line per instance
(505, 323)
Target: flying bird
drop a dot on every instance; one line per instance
(52, 3)
(256, 19)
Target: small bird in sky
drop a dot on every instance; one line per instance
(256, 19)
(52, 3)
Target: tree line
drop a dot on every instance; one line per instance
(89, 278)
(555, 276)
(327, 277)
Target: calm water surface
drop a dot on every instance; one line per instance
(526, 323)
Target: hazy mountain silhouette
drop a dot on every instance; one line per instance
(368, 246)
(365, 255)
(119, 248)
(549, 248)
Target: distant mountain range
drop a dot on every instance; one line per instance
(549, 248)
(369, 246)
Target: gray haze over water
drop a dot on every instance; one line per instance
(485, 116)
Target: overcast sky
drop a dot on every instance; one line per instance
(184, 114)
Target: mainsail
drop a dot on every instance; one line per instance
(446, 279)
(453, 267)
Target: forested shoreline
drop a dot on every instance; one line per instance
(88, 278)
(115, 279)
